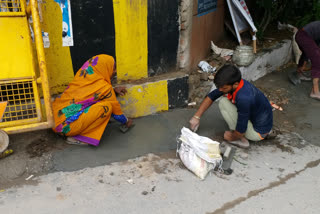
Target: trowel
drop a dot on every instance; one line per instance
(124, 128)
(294, 75)
(227, 159)
(294, 78)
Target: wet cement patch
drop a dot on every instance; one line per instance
(152, 134)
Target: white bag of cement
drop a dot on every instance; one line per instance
(195, 164)
(199, 154)
(296, 50)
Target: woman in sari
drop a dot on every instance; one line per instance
(84, 109)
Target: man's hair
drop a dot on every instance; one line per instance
(227, 75)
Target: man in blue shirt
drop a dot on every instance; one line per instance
(246, 110)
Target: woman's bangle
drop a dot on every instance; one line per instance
(196, 117)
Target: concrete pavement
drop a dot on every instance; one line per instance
(272, 181)
(279, 176)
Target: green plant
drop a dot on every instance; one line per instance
(272, 9)
(312, 14)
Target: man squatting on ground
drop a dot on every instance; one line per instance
(308, 39)
(246, 110)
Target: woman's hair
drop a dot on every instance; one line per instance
(227, 75)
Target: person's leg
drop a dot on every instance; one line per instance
(230, 114)
(91, 124)
(251, 134)
(303, 58)
(315, 74)
(302, 63)
(315, 88)
(311, 51)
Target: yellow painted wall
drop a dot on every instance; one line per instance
(59, 62)
(131, 31)
(145, 99)
(131, 51)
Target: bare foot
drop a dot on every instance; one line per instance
(315, 96)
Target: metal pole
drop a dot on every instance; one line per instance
(42, 62)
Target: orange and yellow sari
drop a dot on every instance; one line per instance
(85, 107)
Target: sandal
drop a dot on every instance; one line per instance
(72, 141)
(304, 77)
(239, 143)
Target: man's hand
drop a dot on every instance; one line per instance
(300, 70)
(120, 90)
(195, 120)
(194, 124)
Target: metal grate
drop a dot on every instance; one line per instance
(10, 6)
(20, 97)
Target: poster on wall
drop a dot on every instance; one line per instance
(242, 20)
(206, 6)
(67, 34)
(46, 40)
(244, 5)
